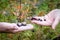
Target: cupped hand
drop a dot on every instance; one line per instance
(13, 28)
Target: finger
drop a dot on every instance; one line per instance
(14, 26)
(5, 25)
(27, 27)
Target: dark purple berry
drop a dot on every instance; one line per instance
(32, 30)
(33, 19)
(18, 25)
(39, 19)
(44, 19)
(23, 24)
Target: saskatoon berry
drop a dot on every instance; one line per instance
(19, 25)
(44, 19)
(39, 19)
(33, 19)
(32, 30)
(23, 24)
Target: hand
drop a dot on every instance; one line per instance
(8, 27)
(41, 20)
(13, 28)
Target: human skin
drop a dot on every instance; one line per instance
(51, 19)
(13, 28)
